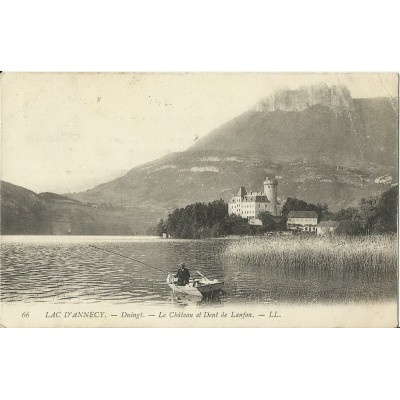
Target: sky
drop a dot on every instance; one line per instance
(68, 132)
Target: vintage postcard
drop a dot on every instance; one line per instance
(199, 200)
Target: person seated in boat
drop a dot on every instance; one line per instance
(183, 275)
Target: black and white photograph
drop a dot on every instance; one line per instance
(199, 199)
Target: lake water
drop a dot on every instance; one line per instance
(63, 269)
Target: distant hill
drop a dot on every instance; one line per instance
(364, 133)
(25, 212)
(22, 211)
(53, 197)
(183, 178)
(324, 147)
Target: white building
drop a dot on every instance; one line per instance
(302, 220)
(249, 205)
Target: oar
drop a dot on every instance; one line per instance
(202, 275)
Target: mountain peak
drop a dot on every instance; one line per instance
(333, 96)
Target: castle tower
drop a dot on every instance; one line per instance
(271, 191)
(242, 192)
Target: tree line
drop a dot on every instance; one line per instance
(379, 212)
(201, 220)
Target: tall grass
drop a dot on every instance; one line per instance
(365, 255)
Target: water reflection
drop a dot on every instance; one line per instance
(67, 270)
(185, 299)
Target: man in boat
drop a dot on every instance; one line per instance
(183, 275)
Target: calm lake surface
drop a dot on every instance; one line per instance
(63, 269)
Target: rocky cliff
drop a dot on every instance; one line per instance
(335, 97)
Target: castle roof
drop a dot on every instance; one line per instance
(256, 197)
(302, 214)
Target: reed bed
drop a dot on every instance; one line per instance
(363, 255)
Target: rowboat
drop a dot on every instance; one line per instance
(196, 287)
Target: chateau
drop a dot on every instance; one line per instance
(249, 205)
